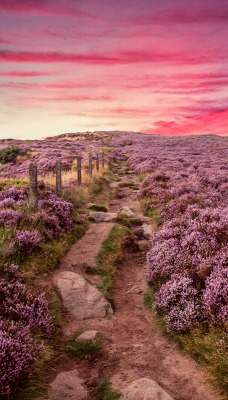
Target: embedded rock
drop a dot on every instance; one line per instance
(68, 386)
(144, 389)
(134, 290)
(126, 211)
(147, 231)
(100, 216)
(82, 300)
(87, 335)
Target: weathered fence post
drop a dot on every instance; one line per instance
(79, 170)
(33, 193)
(90, 165)
(97, 162)
(103, 159)
(58, 171)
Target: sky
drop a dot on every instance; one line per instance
(154, 66)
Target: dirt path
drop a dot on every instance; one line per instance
(133, 345)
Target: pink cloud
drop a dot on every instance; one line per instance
(31, 102)
(4, 41)
(40, 7)
(209, 121)
(184, 16)
(24, 74)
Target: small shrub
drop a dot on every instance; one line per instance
(8, 154)
(86, 349)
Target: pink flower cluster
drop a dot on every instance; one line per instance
(24, 316)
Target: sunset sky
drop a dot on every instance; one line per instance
(156, 66)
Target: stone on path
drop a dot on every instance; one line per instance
(144, 389)
(101, 216)
(68, 386)
(87, 335)
(126, 211)
(147, 231)
(81, 299)
(134, 290)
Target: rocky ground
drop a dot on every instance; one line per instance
(139, 362)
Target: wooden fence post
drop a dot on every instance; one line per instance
(79, 170)
(33, 192)
(97, 162)
(90, 165)
(103, 159)
(58, 171)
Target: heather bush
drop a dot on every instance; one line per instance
(186, 265)
(215, 294)
(25, 319)
(27, 241)
(25, 229)
(179, 299)
(18, 351)
(61, 209)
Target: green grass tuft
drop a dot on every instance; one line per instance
(97, 207)
(150, 209)
(110, 256)
(148, 299)
(209, 346)
(85, 349)
(103, 391)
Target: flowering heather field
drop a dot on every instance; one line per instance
(45, 152)
(28, 234)
(25, 317)
(186, 191)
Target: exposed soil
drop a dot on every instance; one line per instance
(133, 344)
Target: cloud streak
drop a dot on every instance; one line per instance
(118, 57)
(24, 74)
(40, 7)
(184, 17)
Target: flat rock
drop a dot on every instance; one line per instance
(68, 386)
(101, 216)
(81, 299)
(144, 389)
(134, 290)
(87, 335)
(147, 231)
(125, 210)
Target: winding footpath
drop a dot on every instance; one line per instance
(139, 362)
